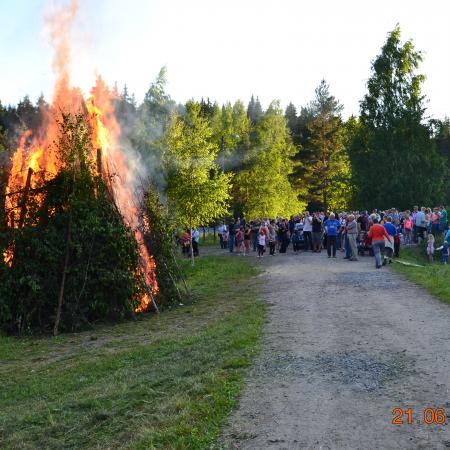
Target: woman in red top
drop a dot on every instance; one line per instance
(377, 233)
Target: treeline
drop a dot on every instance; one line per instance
(245, 160)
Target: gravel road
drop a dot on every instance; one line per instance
(343, 345)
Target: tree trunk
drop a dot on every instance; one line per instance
(325, 202)
(192, 246)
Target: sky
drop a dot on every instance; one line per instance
(225, 50)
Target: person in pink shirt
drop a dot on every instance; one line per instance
(407, 229)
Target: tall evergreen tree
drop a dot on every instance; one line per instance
(393, 152)
(153, 119)
(291, 119)
(323, 167)
(441, 134)
(254, 110)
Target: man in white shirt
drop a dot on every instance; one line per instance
(195, 241)
(420, 222)
(222, 229)
(307, 229)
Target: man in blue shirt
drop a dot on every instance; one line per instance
(331, 227)
(389, 246)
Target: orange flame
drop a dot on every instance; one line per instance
(37, 152)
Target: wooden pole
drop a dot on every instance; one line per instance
(63, 281)
(99, 162)
(174, 283)
(23, 203)
(188, 291)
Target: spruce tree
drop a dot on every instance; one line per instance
(291, 119)
(323, 167)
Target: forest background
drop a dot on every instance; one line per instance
(265, 163)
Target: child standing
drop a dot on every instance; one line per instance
(296, 240)
(261, 243)
(407, 229)
(430, 248)
(272, 239)
(225, 236)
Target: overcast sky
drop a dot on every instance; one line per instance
(226, 50)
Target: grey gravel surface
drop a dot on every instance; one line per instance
(343, 345)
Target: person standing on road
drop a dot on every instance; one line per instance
(389, 245)
(317, 233)
(377, 233)
(232, 228)
(247, 239)
(256, 224)
(240, 240)
(221, 231)
(261, 243)
(332, 227)
(272, 238)
(307, 231)
(195, 241)
(352, 232)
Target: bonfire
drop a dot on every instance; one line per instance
(35, 160)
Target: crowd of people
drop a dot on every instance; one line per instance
(379, 234)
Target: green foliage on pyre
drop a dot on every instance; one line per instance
(159, 231)
(72, 225)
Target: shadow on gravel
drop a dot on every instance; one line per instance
(359, 371)
(366, 280)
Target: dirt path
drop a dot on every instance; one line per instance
(343, 345)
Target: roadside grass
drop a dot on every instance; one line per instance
(164, 381)
(433, 276)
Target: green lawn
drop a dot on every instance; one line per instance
(165, 381)
(433, 277)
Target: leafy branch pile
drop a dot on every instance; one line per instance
(73, 239)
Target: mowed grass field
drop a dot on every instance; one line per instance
(164, 381)
(432, 276)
